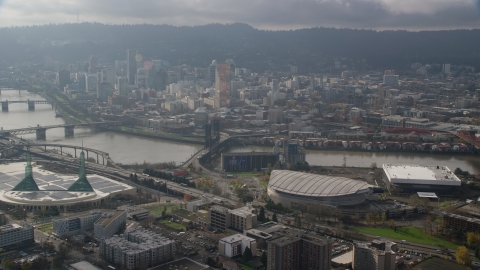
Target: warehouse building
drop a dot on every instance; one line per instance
(415, 178)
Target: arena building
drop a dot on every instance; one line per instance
(297, 190)
(43, 189)
(415, 178)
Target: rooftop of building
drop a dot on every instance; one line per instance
(183, 263)
(52, 187)
(220, 209)
(235, 238)
(107, 218)
(420, 172)
(307, 184)
(468, 219)
(10, 227)
(243, 211)
(84, 265)
(145, 240)
(284, 240)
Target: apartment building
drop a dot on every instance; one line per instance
(297, 252)
(137, 248)
(109, 224)
(461, 223)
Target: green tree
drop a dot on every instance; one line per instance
(27, 266)
(247, 255)
(8, 264)
(261, 215)
(274, 217)
(264, 259)
(477, 252)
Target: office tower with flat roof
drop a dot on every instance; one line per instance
(222, 86)
(131, 66)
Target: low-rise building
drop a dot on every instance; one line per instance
(138, 214)
(235, 245)
(461, 223)
(109, 224)
(15, 235)
(77, 224)
(219, 218)
(243, 218)
(194, 206)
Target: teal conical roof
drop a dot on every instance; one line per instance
(28, 183)
(82, 184)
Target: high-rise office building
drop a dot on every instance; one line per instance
(108, 75)
(131, 66)
(92, 65)
(222, 86)
(122, 86)
(63, 78)
(211, 72)
(235, 86)
(446, 69)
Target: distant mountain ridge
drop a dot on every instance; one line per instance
(310, 49)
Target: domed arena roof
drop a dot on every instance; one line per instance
(306, 184)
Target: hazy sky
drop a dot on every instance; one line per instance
(265, 14)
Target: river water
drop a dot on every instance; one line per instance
(470, 163)
(130, 149)
(121, 147)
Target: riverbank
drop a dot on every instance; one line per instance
(360, 150)
(136, 132)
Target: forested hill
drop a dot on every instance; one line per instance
(310, 49)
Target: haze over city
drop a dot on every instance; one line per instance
(265, 14)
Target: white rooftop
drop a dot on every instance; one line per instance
(419, 174)
(431, 195)
(235, 238)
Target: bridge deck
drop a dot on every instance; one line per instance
(57, 126)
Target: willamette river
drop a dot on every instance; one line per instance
(121, 147)
(130, 149)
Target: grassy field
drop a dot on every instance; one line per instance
(410, 234)
(246, 174)
(246, 267)
(174, 225)
(157, 209)
(46, 228)
(264, 184)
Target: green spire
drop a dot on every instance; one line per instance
(82, 173)
(28, 183)
(82, 184)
